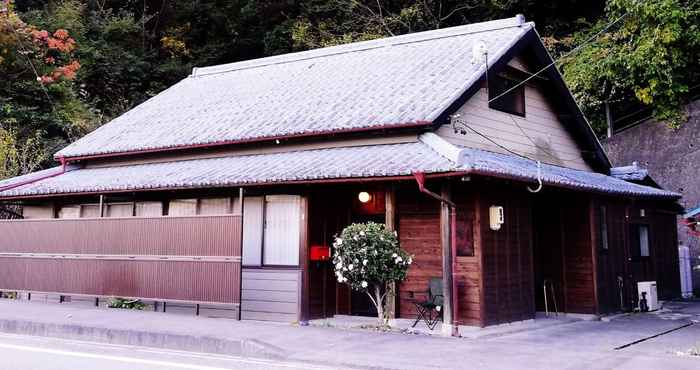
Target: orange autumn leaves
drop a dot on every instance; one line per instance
(56, 46)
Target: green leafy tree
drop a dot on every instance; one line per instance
(650, 58)
(368, 258)
(36, 94)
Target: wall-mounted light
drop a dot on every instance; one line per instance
(364, 197)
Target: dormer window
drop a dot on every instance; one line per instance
(513, 101)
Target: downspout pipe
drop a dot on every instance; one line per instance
(420, 180)
(64, 164)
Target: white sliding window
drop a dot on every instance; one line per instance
(253, 208)
(282, 230)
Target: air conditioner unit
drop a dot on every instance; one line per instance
(648, 287)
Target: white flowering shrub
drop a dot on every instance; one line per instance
(368, 257)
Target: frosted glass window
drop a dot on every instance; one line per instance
(252, 230)
(149, 209)
(214, 206)
(282, 230)
(604, 228)
(182, 207)
(644, 241)
(69, 212)
(119, 210)
(90, 211)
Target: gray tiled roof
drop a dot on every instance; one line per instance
(29, 177)
(318, 164)
(502, 165)
(429, 155)
(629, 173)
(388, 82)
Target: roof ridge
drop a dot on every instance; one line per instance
(487, 26)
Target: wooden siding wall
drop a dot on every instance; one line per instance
(540, 124)
(468, 268)
(271, 294)
(419, 235)
(664, 241)
(563, 251)
(579, 274)
(618, 262)
(611, 263)
(507, 257)
(180, 258)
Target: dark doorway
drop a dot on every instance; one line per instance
(331, 210)
(547, 255)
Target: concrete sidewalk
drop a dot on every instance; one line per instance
(577, 345)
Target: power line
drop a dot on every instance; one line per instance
(586, 42)
(456, 122)
(544, 150)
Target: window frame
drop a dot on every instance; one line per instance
(604, 237)
(636, 241)
(260, 258)
(519, 93)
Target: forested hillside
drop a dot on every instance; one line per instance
(68, 66)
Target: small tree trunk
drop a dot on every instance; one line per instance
(379, 303)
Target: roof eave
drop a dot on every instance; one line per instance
(306, 135)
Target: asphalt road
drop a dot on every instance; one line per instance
(29, 353)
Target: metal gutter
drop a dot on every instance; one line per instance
(454, 304)
(31, 181)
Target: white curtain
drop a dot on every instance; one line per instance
(282, 230)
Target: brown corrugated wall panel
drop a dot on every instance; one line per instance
(167, 258)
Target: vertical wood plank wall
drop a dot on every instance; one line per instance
(618, 261)
(579, 275)
(507, 257)
(467, 267)
(419, 234)
(664, 243)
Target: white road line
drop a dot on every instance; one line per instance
(131, 359)
(111, 358)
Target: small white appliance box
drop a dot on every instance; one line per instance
(649, 287)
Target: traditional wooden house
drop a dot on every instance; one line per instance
(222, 191)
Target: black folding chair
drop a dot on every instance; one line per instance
(430, 310)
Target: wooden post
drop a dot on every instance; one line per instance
(241, 195)
(304, 315)
(595, 240)
(390, 221)
(445, 237)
